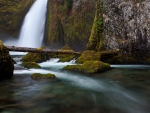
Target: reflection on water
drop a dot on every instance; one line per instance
(108, 92)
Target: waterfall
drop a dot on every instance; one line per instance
(32, 30)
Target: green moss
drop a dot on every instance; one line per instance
(89, 56)
(97, 35)
(65, 57)
(36, 57)
(31, 57)
(89, 67)
(66, 48)
(73, 67)
(30, 65)
(42, 76)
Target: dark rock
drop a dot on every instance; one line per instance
(6, 63)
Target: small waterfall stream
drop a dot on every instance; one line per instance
(32, 30)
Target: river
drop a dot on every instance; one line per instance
(123, 89)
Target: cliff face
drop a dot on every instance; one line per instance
(69, 22)
(127, 25)
(12, 13)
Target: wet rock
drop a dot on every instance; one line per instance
(6, 63)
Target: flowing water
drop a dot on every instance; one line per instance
(32, 30)
(119, 90)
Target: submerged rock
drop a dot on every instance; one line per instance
(6, 63)
(89, 56)
(42, 76)
(89, 67)
(30, 65)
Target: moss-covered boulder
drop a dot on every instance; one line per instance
(42, 76)
(89, 67)
(30, 65)
(89, 56)
(6, 63)
(66, 57)
(35, 57)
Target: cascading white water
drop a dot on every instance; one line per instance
(32, 31)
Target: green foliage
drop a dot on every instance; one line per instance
(89, 56)
(30, 65)
(42, 76)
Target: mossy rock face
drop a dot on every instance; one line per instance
(42, 76)
(6, 63)
(30, 65)
(69, 22)
(89, 67)
(89, 56)
(65, 57)
(12, 13)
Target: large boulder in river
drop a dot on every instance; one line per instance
(6, 63)
(30, 65)
(66, 57)
(89, 67)
(89, 55)
(35, 57)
